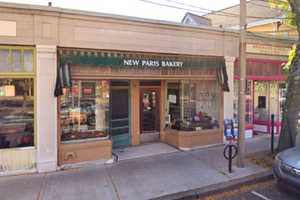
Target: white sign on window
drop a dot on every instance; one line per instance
(172, 98)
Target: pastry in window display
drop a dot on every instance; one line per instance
(72, 135)
(199, 122)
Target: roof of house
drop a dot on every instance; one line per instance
(193, 19)
(257, 10)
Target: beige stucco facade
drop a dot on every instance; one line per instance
(47, 28)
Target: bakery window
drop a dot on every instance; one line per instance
(193, 105)
(16, 112)
(84, 110)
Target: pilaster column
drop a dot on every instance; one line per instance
(46, 108)
(135, 111)
(229, 96)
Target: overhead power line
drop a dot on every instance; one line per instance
(210, 12)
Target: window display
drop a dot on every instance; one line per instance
(193, 105)
(16, 113)
(84, 110)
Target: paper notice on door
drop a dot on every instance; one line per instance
(172, 98)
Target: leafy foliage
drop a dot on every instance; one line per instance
(292, 54)
(284, 5)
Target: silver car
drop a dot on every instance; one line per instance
(286, 167)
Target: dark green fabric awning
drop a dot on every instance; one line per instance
(128, 59)
(136, 60)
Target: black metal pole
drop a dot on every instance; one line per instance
(272, 132)
(232, 128)
(230, 159)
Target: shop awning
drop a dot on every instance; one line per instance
(135, 60)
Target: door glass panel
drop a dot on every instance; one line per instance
(150, 110)
(119, 112)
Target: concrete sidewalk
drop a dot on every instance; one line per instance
(161, 176)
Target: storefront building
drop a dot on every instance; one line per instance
(74, 85)
(265, 87)
(117, 98)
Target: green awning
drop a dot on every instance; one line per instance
(136, 60)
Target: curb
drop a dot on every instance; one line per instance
(219, 187)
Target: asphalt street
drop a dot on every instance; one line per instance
(266, 190)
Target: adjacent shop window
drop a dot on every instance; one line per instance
(16, 60)
(248, 102)
(85, 110)
(16, 112)
(193, 105)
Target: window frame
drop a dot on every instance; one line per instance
(59, 133)
(24, 75)
(181, 83)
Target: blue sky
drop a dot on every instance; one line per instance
(138, 8)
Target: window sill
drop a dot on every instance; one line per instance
(84, 140)
(192, 132)
(18, 148)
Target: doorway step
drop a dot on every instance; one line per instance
(144, 150)
(149, 136)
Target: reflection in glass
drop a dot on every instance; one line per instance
(28, 60)
(16, 60)
(4, 60)
(193, 105)
(16, 113)
(84, 110)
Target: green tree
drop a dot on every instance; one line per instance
(291, 111)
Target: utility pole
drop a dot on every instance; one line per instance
(242, 84)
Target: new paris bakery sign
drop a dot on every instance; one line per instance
(151, 63)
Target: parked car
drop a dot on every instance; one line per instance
(286, 167)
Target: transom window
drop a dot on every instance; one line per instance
(16, 60)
